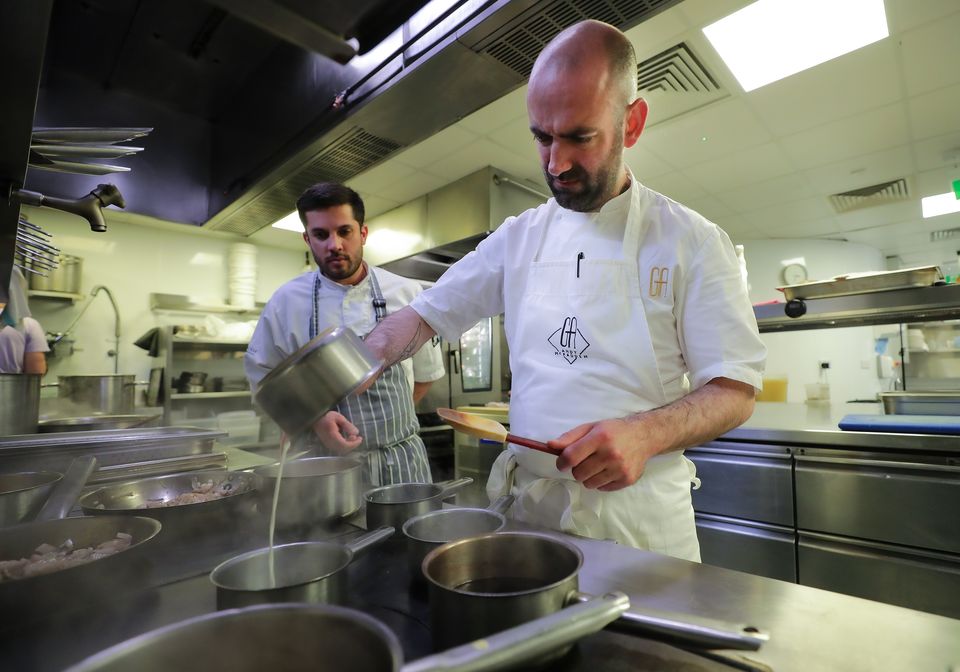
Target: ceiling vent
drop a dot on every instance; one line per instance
(345, 157)
(519, 45)
(944, 234)
(678, 70)
(868, 197)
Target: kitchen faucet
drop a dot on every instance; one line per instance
(90, 207)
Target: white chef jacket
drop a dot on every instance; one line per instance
(694, 320)
(14, 343)
(709, 331)
(284, 325)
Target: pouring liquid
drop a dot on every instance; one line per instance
(272, 573)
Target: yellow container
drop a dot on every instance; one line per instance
(774, 389)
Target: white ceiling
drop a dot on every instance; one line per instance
(760, 164)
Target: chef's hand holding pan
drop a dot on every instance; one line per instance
(337, 434)
(605, 455)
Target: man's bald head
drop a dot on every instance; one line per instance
(597, 47)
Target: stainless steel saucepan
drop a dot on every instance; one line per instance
(325, 638)
(313, 491)
(483, 584)
(308, 571)
(23, 493)
(315, 378)
(394, 504)
(435, 528)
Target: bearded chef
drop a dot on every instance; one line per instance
(631, 334)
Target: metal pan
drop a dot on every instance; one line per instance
(435, 528)
(310, 571)
(23, 493)
(23, 600)
(184, 523)
(313, 491)
(325, 638)
(483, 584)
(393, 505)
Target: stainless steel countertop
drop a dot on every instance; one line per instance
(816, 425)
(810, 629)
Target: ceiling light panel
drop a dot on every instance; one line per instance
(772, 39)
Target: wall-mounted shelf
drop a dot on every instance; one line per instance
(234, 394)
(917, 304)
(58, 296)
(179, 303)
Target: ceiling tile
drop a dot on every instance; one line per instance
(740, 168)
(380, 176)
(935, 113)
(710, 207)
(415, 184)
(473, 157)
(939, 152)
(677, 186)
(657, 33)
(516, 137)
(780, 190)
(862, 134)
(701, 13)
(930, 54)
(936, 181)
(728, 126)
(792, 213)
(880, 215)
(644, 163)
(904, 15)
(848, 85)
(437, 146)
(808, 229)
(498, 113)
(862, 171)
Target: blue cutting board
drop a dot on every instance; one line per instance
(911, 424)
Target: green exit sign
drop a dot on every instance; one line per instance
(956, 188)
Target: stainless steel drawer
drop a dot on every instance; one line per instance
(744, 485)
(906, 503)
(906, 577)
(763, 550)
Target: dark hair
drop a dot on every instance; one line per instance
(324, 195)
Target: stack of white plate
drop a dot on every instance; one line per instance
(242, 275)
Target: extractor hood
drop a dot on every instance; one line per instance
(247, 112)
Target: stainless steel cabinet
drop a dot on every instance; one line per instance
(764, 550)
(911, 578)
(906, 502)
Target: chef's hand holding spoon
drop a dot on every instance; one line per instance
(605, 455)
(337, 434)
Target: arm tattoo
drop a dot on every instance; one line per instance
(411, 347)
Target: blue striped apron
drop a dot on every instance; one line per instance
(384, 415)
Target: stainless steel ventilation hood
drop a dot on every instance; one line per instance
(445, 225)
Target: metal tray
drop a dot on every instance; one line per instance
(864, 283)
(55, 451)
(921, 403)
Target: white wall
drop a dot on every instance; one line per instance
(850, 350)
(134, 259)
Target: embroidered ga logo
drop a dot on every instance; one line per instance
(659, 277)
(568, 341)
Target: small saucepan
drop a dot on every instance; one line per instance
(435, 528)
(310, 571)
(483, 584)
(313, 490)
(23, 493)
(325, 638)
(395, 504)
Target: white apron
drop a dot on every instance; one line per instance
(581, 351)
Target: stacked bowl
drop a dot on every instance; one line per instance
(242, 275)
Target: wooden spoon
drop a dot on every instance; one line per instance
(485, 428)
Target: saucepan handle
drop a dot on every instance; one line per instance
(502, 504)
(64, 494)
(697, 634)
(358, 544)
(531, 640)
(450, 487)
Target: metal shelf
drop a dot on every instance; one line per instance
(917, 304)
(179, 303)
(211, 395)
(59, 296)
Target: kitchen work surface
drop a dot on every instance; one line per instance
(810, 629)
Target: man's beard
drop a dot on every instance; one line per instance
(591, 192)
(337, 273)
